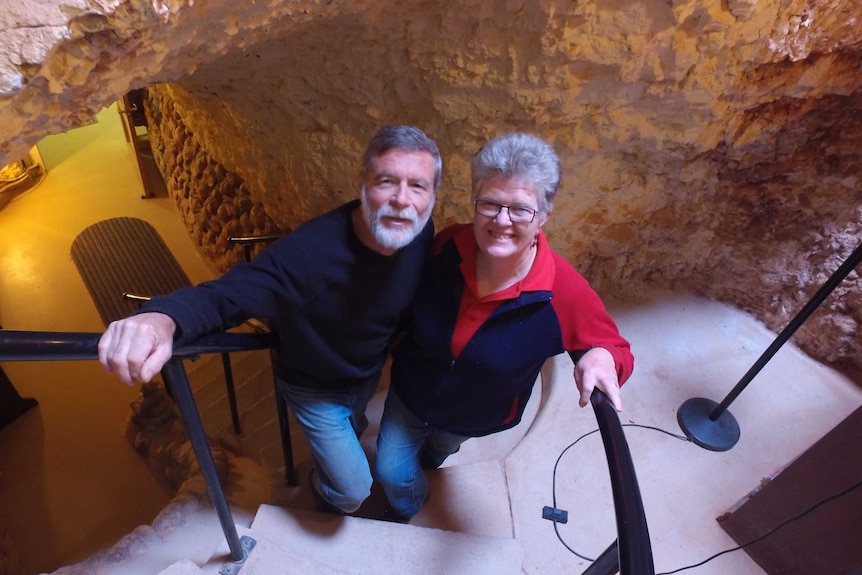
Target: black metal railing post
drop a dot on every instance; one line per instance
(284, 429)
(607, 563)
(280, 404)
(231, 393)
(248, 241)
(175, 376)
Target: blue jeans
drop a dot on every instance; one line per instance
(332, 422)
(405, 446)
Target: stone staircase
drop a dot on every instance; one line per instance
(466, 528)
(293, 541)
(186, 538)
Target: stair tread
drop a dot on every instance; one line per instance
(468, 498)
(183, 567)
(269, 558)
(384, 547)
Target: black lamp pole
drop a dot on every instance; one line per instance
(709, 424)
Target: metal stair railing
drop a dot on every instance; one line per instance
(64, 346)
(247, 242)
(631, 553)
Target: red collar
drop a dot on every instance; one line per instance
(539, 278)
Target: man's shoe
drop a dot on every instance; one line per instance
(390, 515)
(321, 505)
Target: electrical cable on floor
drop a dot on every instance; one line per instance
(554, 493)
(720, 553)
(554, 479)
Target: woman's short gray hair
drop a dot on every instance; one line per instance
(520, 155)
(405, 138)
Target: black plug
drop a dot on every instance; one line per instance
(555, 515)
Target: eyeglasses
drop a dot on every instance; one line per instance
(517, 214)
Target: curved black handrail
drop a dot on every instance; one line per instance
(61, 346)
(247, 241)
(631, 553)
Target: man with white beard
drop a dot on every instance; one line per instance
(334, 291)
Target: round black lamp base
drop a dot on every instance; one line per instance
(718, 435)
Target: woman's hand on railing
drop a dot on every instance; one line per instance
(596, 370)
(136, 348)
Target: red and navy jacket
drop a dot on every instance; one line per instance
(481, 384)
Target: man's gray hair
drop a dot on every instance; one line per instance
(520, 155)
(404, 138)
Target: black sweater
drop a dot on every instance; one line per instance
(333, 302)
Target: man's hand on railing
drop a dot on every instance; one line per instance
(136, 348)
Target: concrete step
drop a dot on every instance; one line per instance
(183, 567)
(265, 558)
(358, 545)
(296, 540)
(468, 498)
(186, 538)
(268, 558)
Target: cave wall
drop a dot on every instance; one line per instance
(214, 203)
(708, 145)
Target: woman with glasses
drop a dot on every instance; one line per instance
(494, 303)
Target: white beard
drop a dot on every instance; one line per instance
(398, 238)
